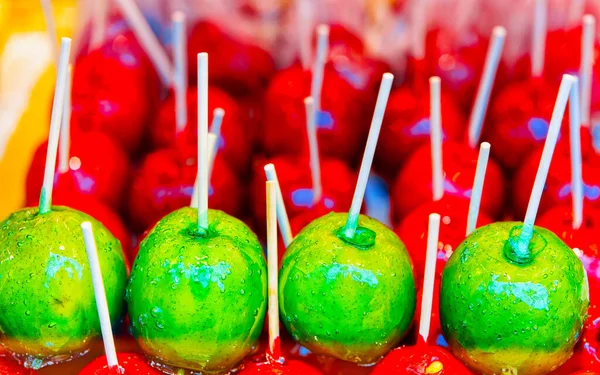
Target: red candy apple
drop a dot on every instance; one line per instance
(239, 67)
(233, 144)
(296, 186)
(274, 367)
(8, 366)
(413, 184)
(519, 120)
(420, 359)
(341, 125)
(164, 182)
(406, 127)
(98, 168)
(129, 364)
(413, 231)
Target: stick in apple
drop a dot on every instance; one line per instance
(202, 142)
(215, 128)
(212, 145)
(147, 39)
(282, 216)
(538, 42)
(587, 62)
(305, 22)
(51, 29)
(99, 13)
(65, 129)
(522, 247)
(475, 202)
(101, 303)
(490, 67)
(313, 147)
(418, 31)
(429, 278)
(316, 85)
(436, 138)
(575, 140)
(55, 123)
(367, 161)
(180, 79)
(272, 265)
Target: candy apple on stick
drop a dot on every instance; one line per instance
(360, 270)
(534, 288)
(111, 363)
(56, 320)
(275, 363)
(423, 358)
(226, 274)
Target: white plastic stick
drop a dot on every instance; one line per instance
(65, 128)
(305, 23)
(418, 30)
(367, 161)
(542, 172)
(574, 12)
(486, 83)
(282, 216)
(55, 123)
(435, 120)
(180, 79)
(538, 42)
(313, 147)
(429, 278)
(147, 39)
(318, 72)
(100, 294)
(272, 264)
(475, 202)
(99, 13)
(51, 29)
(202, 142)
(576, 172)
(587, 62)
(212, 145)
(215, 132)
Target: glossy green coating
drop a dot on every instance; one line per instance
(47, 304)
(198, 302)
(500, 312)
(351, 299)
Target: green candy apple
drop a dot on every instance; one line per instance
(353, 299)
(505, 311)
(198, 301)
(47, 305)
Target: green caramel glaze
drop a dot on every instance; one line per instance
(353, 302)
(198, 302)
(47, 304)
(500, 314)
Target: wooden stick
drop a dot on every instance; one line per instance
(367, 161)
(429, 278)
(435, 121)
(273, 265)
(100, 294)
(65, 128)
(55, 123)
(313, 147)
(477, 192)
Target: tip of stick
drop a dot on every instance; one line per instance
(568, 78)
(323, 30)
(434, 218)
(269, 168)
(388, 76)
(434, 80)
(219, 112)
(485, 146)
(178, 16)
(499, 31)
(86, 225)
(202, 56)
(309, 100)
(588, 19)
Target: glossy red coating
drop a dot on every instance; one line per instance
(115, 90)
(286, 367)
(519, 119)
(99, 169)
(413, 232)
(420, 360)
(413, 185)
(164, 182)
(406, 127)
(9, 366)
(233, 143)
(238, 66)
(129, 363)
(342, 123)
(295, 181)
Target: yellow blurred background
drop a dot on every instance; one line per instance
(27, 77)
